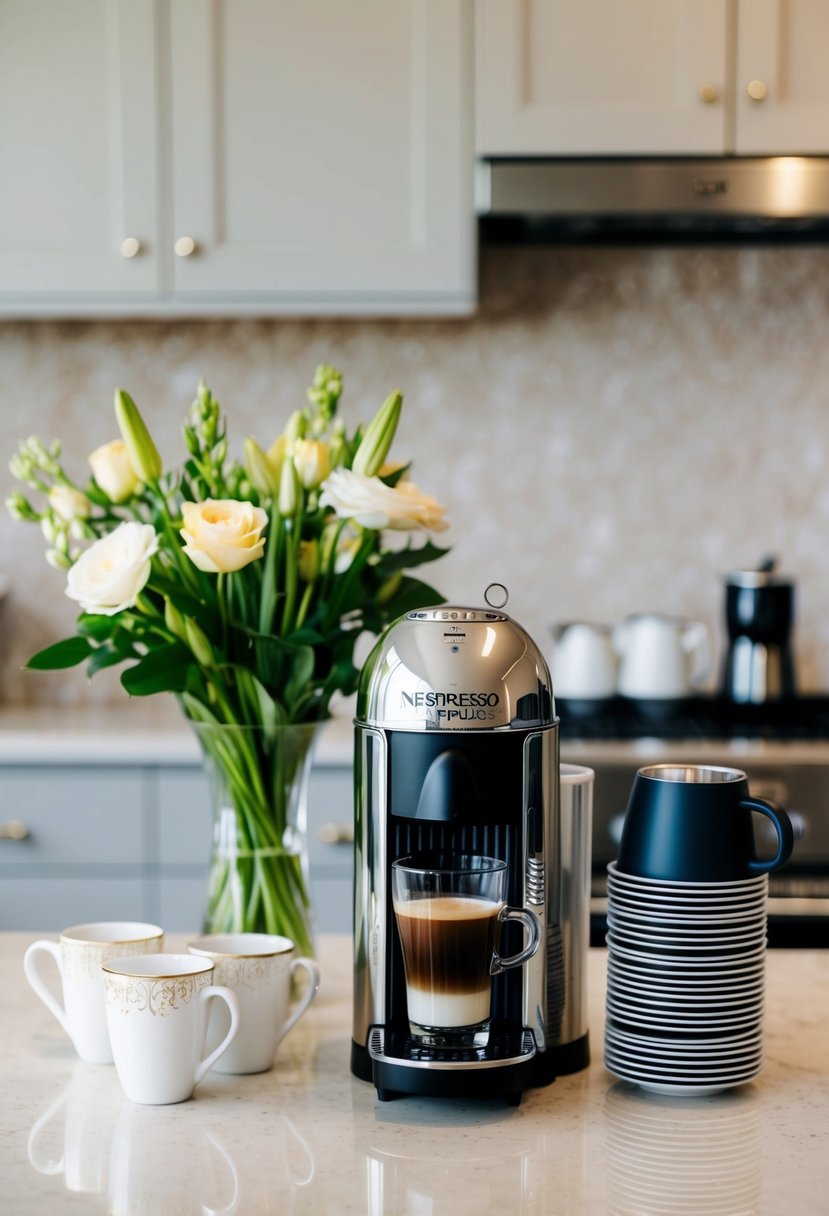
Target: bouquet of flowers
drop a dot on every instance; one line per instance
(241, 587)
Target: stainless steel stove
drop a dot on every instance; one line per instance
(782, 746)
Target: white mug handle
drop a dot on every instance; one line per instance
(308, 965)
(35, 979)
(229, 998)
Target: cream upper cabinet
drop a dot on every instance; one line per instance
(236, 156)
(322, 153)
(78, 151)
(600, 77)
(782, 81)
(650, 77)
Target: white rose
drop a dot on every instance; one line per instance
(68, 503)
(113, 472)
(109, 575)
(371, 503)
(222, 535)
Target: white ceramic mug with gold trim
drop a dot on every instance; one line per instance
(157, 1007)
(259, 968)
(79, 954)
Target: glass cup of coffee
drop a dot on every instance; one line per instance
(449, 912)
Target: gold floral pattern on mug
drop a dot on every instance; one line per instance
(245, 972)
(82, 960)
(134, 994)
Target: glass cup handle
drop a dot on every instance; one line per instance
(533, 927)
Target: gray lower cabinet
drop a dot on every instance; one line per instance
(81, 843)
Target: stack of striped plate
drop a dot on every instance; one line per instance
(686, 981)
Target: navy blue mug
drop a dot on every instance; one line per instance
(693, 823)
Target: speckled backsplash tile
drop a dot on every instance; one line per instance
(614, 431)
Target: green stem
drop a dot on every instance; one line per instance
(291, 556)
(267, 602)
(304, 605)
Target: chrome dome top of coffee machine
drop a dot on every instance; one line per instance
(456, 753)
(456, 668)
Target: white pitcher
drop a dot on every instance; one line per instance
(584, 662)
(661, 656)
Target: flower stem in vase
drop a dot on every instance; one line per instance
(259, 869)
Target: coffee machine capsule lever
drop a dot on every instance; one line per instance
(456, 754)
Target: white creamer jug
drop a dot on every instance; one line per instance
(584, 662)
(661, 656)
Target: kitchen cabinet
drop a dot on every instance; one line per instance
(172, 157)
(650, 77)
(132, 842)
(79, 153)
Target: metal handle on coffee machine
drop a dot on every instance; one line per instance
(533, 926)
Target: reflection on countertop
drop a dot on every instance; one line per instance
(307, 1137)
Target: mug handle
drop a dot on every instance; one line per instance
(533, 926)
(34, 977)
(308, 965)
(229, 998)
(785, 834)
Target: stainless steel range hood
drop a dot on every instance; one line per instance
(777, 194)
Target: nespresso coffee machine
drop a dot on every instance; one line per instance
(456, 751)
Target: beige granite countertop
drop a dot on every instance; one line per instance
(307, 1137)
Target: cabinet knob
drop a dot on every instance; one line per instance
(336, 833)
(184, 246)
(130, 246)
(757, 90)
(13, 829)
(708, 93)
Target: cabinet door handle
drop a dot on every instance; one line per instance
(130, 247)
(184, 246)
(13, 829)
(757, 90)
(708, 93)
(336, 833)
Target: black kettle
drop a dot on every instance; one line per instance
(759, 612)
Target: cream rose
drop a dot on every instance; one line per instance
(113, 471)
(108, 577)
(222, 535)
(372, 504)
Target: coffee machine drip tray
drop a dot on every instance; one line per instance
(509, 1064)
(399, 1048)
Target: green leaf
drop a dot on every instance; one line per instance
(104, 656)
(302, 669)
(95, 626)
(411, 594)
(407, 559)
(164, 669)
(391, 479)
(187, 604)
(67, 653)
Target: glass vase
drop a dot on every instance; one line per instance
(259, 879)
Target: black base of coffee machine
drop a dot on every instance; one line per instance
(508, 1065)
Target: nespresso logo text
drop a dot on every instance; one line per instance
(438, 700)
